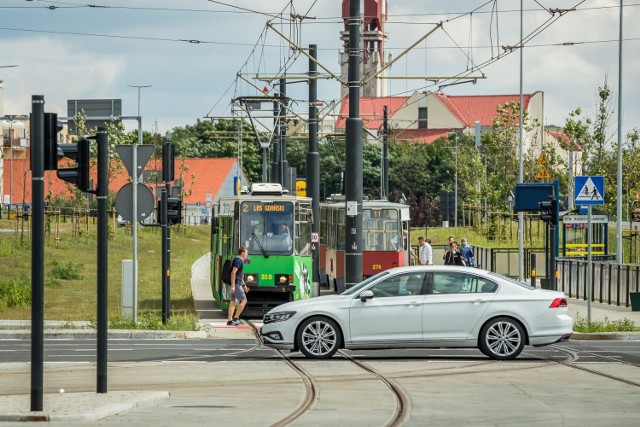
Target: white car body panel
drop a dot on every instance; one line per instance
(431, 320)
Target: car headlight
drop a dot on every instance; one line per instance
(278, 317)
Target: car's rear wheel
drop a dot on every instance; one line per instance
(502, 339)
(318, 337)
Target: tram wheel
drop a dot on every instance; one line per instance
(318, 337)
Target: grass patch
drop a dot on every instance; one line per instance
(625, 325)
(152, 322)
(71, 271)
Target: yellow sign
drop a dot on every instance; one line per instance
(543, 173)
(301, 187)
(542, 160)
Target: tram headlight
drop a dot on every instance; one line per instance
(251, 279)
(283, 279)
(278, 317)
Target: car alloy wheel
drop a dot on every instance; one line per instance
(502, 339)
(318, 338)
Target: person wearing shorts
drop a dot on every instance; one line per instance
(237, 287)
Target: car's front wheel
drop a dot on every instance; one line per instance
(502, 339)
(318, 337)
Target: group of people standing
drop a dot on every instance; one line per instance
(462, 255)
(453, 254)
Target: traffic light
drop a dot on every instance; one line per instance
(79, 174)
(549, 210)
(51, 129)
(174, 210)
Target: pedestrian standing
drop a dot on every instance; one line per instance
(425, 253)
(453, 256)
(467, 253)
(237, 289)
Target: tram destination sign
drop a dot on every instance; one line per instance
(584, 219)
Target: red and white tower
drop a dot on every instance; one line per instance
(373, 37)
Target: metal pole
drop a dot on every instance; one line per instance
(275, 164)
(313, 165)
(455, 190)
(134, 223)
(589, 266)
(520, 160)
(37, 250)
(165, 238)
(11, 165)
(284, 164)
(385, 153)
(619, 246)
(103, 238)
(353, 240)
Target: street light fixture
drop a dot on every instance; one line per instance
(139, 87)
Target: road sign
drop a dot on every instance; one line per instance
(207, 204)
(124, 202)
(589, 190)
(143, 155)
(315, 237)
(542, 159)
(543, 173)
(583, 219)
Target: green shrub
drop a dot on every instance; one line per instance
(66, 271)
(16, 293)
(606, 325)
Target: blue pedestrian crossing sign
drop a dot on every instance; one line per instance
(589, 190)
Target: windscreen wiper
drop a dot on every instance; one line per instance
(264, 253)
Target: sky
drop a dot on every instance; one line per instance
(191, 52)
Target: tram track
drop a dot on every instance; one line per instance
(312, 395)
(573, 357)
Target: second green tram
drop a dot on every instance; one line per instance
(275, 227)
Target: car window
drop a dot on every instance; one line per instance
(461, 283)
(357, 288)
(399, 285)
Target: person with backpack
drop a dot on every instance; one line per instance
(237, 288)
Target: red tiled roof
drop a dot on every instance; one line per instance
(371, 110)
(201, 176)
(472, 108)
(421, 136)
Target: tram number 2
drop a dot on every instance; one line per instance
(376, 267)
(266, 277)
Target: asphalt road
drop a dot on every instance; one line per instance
(84, 351)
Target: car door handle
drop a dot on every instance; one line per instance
(478, 301)
(412, 303)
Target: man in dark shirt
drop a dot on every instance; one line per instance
(237, 288)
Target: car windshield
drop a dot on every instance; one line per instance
(512, 280)
(359, 286)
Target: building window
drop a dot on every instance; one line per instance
(422, 117)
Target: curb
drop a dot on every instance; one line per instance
(82, 407)
(112, 334)
(605, 336)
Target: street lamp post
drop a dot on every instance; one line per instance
(455, 196)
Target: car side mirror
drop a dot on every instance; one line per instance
(365, 295)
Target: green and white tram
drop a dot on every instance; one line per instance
(275, 227)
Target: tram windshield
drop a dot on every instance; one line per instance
(381, 229)
(266, 227)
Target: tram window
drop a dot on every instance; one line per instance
(340, 238)
(303, 238)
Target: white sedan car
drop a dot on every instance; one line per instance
(423, 306)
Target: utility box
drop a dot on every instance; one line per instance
(128, 306)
